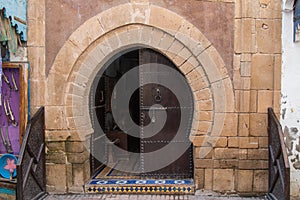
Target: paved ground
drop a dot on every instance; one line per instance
(151, 197)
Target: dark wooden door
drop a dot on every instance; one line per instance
(158, 137)
(98, 109)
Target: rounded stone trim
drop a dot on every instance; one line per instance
(99, 38)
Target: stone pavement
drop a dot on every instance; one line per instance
(150, 197)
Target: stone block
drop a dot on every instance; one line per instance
(225, 124)
(83, 37)
(199, 84)
(244, 124)
(244, 37)
(54, 118)
(243, 154)
(176, 47)
(258, 125)
(263, 142)
(226, 164)
(37, 98)
(69, 172)
(57, 157)
(199, 178)
(56, 177)
(205, 116)
(262, 71)
(74, 123)
(203, 163)
(113, 40)
(245, 181)
(247, 8)
(184, 53)
(238, 9)
(277, 101)
(203, 152)
(246, 83)
(268, 31)
(253, 100)
(265, 100)
(226, 153)
(78, 158)
(244, 103)
(115, 17)
(217, 141)
(75, 111)
(208, 182)
(155, 37)
(86, 171)
(277, 72)
(206, 105)
(36, 31)
(237, 99)
(166, 42)
(198, 140)
(205, 126)
(246, 57)
(140, 11)
(213, 65)
(248, 142)
(190, 35)
(204, 94)
(105, 48)
(56, 146)
(233, 142)
(56, 84)
(78, 175)
(223, 180)
(223, 96)
(166, 20)
(261, 154)
(260, 184)
(245, 68)
(237, 82)
(194, 75)
(75, 147)
(36, 55)
(57, 136)
(270, 9)
(187, 67)
(253, 164)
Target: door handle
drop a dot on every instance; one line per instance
(157, 96)
(102, 97)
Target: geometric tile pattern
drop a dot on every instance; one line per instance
(140, 186)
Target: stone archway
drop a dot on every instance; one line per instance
(112, 31)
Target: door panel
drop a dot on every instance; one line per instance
(148, 105)
(98, 119)
(154, 140)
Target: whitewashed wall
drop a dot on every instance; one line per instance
(290, 100)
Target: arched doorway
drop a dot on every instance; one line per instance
(162, 116)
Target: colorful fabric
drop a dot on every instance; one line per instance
(1, 77)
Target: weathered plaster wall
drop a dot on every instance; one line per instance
(290, 101)
(211, 17)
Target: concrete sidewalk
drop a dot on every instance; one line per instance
(150, 197)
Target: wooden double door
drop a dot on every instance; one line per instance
(163, 146)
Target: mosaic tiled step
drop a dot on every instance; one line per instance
(140, 186)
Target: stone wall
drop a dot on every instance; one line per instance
(232, 63)
(290, 110)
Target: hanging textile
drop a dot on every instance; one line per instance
(16, 11)
(1, 78)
